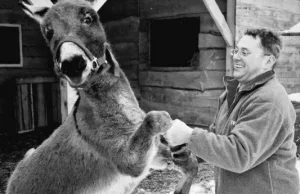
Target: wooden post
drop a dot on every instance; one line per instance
(231, 10)
(227, 29)
(68, 98)
(64, 99)
(220, 21)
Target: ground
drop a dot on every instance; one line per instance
(158, 182)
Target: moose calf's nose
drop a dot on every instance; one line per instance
(74, 66)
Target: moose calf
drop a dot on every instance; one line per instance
(107, 144)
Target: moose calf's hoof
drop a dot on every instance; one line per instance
(158, 121)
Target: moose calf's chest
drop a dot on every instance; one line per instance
(121, 184)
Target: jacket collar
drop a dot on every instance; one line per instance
(232, 84)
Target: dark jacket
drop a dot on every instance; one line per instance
(251, 143)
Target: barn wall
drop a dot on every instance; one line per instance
(277, 15)
(37, 60)
(187, 93)
(288, 69)
(288, 73)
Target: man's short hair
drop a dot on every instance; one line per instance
(270, 41)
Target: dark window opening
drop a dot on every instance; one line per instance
(174, 42)
(10, 48)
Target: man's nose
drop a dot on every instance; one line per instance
(236, 56)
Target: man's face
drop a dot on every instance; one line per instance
(250, 60)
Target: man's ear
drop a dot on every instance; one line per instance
(36, 9)
(271, 61)
(110, 58)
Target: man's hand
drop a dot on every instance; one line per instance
(179, 133)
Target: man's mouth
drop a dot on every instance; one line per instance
(237, 66)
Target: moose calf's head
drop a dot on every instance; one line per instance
(75, 36)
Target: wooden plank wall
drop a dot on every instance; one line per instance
(187, 93)
(277, 15)
(37, 60)
(288, 69)
(37, 103)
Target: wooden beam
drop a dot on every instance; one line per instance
(35, 80)
(231, 10)
(68, 98)
(219, 19)
(190, 80)
(172, 9)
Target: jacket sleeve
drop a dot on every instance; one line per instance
(257, 134)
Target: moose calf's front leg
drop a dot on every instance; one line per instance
(143, 144)
(188, 166)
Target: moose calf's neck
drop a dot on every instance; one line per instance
(106, 102)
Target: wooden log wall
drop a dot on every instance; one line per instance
(288, 69)
(37, 60)
(37, 103)
(187, 93)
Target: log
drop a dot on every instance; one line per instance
(292, 6)
(182, 98)
(201, 80)
(132, 70)
(125, 30)
(126, 51)
(175, 8)
(211, 41)
(37, 62)
(39, 79)
(143, 43)
(213, 59)
(270, 16)
(207, 24)
(33, 38)
(290, 40)
(36, 51)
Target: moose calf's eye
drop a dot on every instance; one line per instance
(88, 19)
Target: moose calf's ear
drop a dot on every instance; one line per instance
(36, 9)
(110, 58)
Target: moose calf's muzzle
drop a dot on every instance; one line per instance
(74, 61)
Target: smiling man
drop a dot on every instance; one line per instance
(250, 142)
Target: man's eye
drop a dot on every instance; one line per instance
(244, 53)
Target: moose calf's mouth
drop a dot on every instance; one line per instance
(73, 67)
(74, 64)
